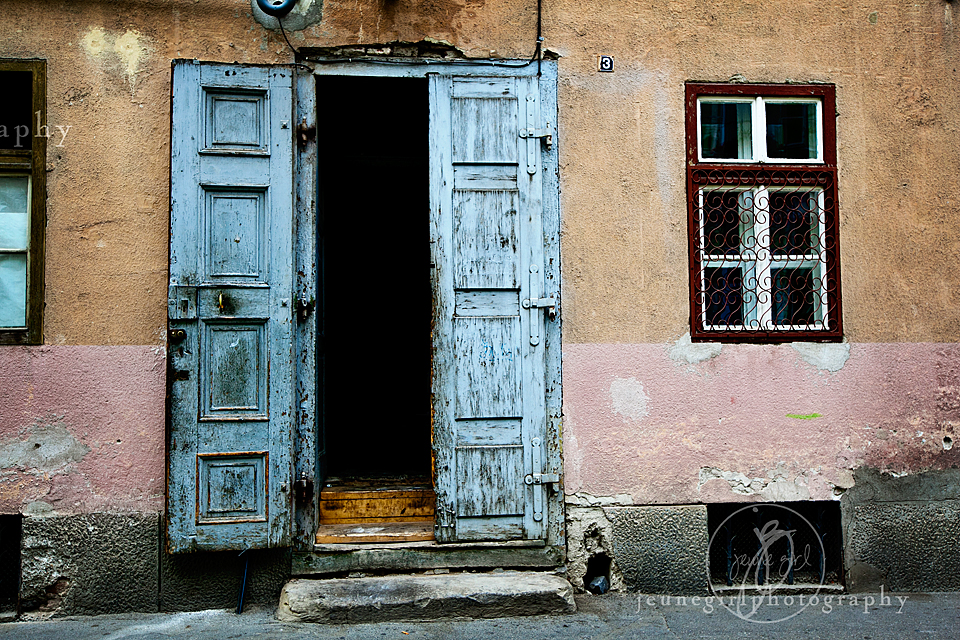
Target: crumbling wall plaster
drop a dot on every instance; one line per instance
(81, 429)
(826, 357)
(44, 447)
(628, 398)
(757, 422)
(589, 533)
(685, 351)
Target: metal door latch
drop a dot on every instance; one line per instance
(541, 478)
(537, 479)
(550, 304)
(546, 133)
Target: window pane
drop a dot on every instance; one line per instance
(791, 130)
(793, 223)
(796, 299)
(726, 130)
(727, 218)
(16, 109)
(724, 296)
(14, 212)
(13, 290)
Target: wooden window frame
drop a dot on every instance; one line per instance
(31, 161)
(757, 175)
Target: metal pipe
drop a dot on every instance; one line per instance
(276, 8)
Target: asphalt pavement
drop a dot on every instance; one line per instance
(870, 617)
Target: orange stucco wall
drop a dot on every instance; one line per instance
(620, 134)
(621, 145)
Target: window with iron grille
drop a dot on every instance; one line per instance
(762, 206)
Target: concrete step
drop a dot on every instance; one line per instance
(425, 597)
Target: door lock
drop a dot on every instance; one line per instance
(541, 478)
(550, 304)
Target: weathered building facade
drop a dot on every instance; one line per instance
(712, 269)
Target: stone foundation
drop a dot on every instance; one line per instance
(114, 563)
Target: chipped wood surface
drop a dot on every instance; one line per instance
(373, 533)
(372, 501)
(418, 556)
(231, 296)
(489, 364)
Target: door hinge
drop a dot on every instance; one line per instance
(305, 306)
(447, 518)
(182, 302)
(305, 133)
(303, 488)
(545, 133)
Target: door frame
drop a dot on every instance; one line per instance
(308, 436)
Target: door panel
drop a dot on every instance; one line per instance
(489, 370)
(231, 308)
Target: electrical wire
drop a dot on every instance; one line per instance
(296, 53)
(538, 53)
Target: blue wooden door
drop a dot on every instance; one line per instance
(489, 366)
(231, 308)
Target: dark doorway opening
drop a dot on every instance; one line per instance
(375, 301)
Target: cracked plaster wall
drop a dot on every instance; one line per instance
(681, 423)
(652, 549)
(81, 429)
(589, 533)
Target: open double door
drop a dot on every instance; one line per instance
(363, 282)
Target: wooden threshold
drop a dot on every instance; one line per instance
(428, 545)
(378, 532)
(399, 557)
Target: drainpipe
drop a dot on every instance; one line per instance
(276, 8)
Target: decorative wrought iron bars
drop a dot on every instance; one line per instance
(762, 213)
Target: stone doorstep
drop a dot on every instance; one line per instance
(425, 597)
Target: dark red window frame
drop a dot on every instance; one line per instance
(786, 177)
